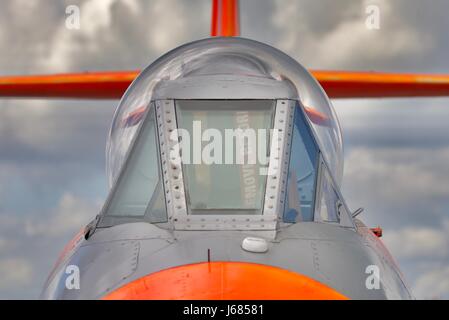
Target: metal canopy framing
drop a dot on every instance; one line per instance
(174, 185)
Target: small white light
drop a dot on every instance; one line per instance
(252, 244)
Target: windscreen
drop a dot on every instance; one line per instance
(138, 192)
(225, 153)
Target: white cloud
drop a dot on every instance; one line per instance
(112, 30)
(71, 214)
(397, 175)
(433, 284)
(95, 15)
(31, 243)
(4, 244)
(163, 29)
(14, 272)
(418, 242)
(334, 34)
(30, 114)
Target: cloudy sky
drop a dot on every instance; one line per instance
(52, 177)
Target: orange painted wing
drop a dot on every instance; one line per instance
(112, 85)
(88, 85)
(341, 84)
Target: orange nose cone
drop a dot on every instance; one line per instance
(225, 281)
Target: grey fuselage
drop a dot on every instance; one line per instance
(333, 255)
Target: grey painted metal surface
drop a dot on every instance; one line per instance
(331, 254)
(225, 87)
(172, 175)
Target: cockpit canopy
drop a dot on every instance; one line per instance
(224, 134)
(225, 59)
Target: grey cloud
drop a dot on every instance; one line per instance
(434, 284)
(35, 242)
(335, 36)
(398, 185)
(394, 122)
(404, 190)
(15, 272)
(46, 131)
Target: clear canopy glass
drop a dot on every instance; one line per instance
(224, 57)
(227, 179)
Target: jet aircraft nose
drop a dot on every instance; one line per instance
(225, 281)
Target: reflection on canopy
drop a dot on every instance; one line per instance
(225, 56)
